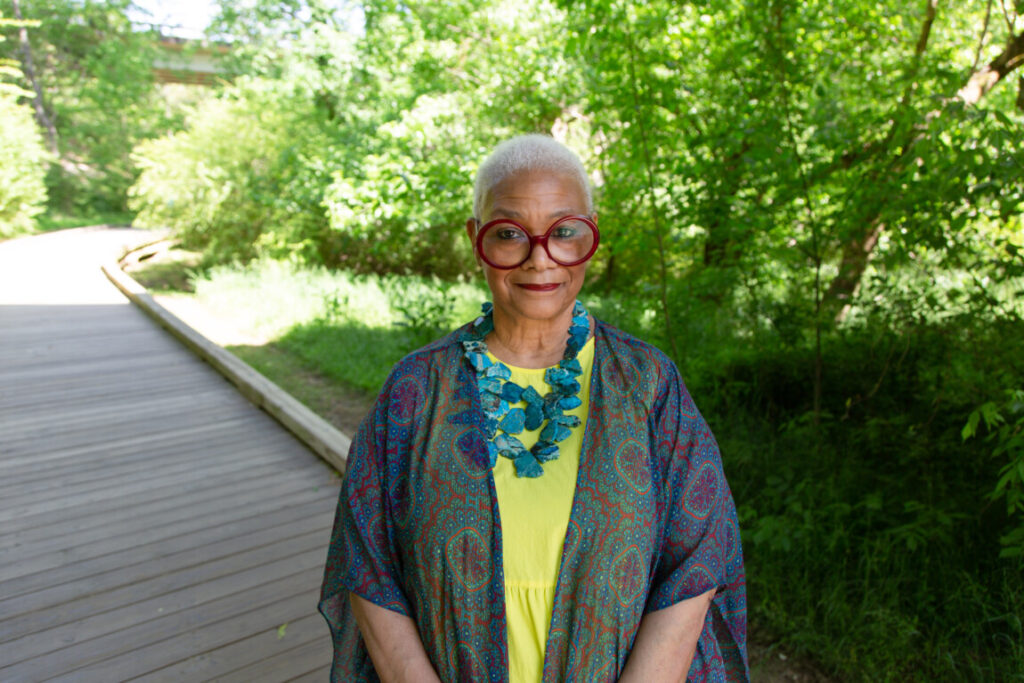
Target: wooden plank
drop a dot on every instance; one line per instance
(168, 508)
(250, 456)
(34, 350)
(155, 495)
(311, 654)
(166, 461)
(106, 357)
(144, 362)
(35, 642)
(35, 396)
(86, 435)
(29, 560)
(91, 450)
(169, 450)
(30, 614)
(143, 562)
(80, 431)
(22, 338)
(40, 336)
(318, 676)
(275, 497)
(156, 643)
(168, 440)
(16, 375)
(91, 455)
(67, 388)
(110, 411)
(232, 661)
(109, 530)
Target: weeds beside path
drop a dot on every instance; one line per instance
(167, 274)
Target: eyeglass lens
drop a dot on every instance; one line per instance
(506, 244)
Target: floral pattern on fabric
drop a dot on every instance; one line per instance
(653, 522)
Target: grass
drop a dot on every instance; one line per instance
(54, 220)
(334, 400)
(350, 328)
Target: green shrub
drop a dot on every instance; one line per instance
(403, 207)
(1005, 424)
(238, 181)
(868, 529)
(23, 162)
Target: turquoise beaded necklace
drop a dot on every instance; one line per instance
(498, 393)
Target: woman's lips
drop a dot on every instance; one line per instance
(539, 288)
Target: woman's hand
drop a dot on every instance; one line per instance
(666, 641)
(393, 643)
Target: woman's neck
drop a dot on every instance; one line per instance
(526, 343)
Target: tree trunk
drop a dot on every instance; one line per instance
(718, 247)
(856, 254)
(28, 68)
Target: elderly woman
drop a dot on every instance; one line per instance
(535, 496)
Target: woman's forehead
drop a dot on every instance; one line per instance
(548, 194)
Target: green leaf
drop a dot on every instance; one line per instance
(971, 428)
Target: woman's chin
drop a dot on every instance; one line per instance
(533, 304)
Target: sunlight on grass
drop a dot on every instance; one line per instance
(350, 328)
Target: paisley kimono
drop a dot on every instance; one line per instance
(653, 522)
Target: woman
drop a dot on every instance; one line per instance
(535, 496)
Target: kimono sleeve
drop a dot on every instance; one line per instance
(363, 557)
(699, 532)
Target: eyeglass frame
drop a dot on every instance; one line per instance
(536, 239)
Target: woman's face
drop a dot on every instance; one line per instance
(539, 289)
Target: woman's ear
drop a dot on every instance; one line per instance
(471, 228)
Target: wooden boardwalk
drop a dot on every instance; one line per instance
(154, 525)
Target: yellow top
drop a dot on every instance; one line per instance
(534, 518)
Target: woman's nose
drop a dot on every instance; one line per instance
(539, 259)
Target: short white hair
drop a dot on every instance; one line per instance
(525, 153)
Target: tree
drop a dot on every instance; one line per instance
(796, 133)
(94, 94)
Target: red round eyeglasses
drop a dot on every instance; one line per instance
(505, 244)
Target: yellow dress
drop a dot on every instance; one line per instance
(534, 517)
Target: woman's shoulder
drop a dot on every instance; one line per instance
(644, 355)
(636, 369)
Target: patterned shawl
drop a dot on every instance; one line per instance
(653, 522)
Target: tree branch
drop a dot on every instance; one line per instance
(984, 34)
(919, 50)
(656, 213)
(1011, 23)
(983, 80)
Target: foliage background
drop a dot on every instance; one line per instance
(22, 167)
(814, 207)
(23, 158)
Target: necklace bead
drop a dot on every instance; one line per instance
(498, 394)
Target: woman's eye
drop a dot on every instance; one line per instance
(509, 234)
(564, 233)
